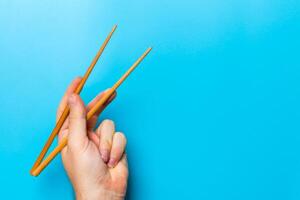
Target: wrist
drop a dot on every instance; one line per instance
(98, 195)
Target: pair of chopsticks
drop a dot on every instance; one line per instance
(40, 164)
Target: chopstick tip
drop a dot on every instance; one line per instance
(148, 50)
(32, 173)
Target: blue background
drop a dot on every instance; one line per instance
(212, 113)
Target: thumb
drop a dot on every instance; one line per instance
(77, 138)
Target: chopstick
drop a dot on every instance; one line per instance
(66, 111)
(93, 110)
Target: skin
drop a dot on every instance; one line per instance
(94, 158)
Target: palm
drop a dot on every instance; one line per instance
(94, 159)
(112, 179)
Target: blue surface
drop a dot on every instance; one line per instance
(212, 113)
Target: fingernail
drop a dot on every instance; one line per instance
(104, 155)
(112, 162)
(72, 99)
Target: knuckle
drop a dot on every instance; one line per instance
(79, 113)
(106, 144)
(77, 116)
(122, 137)
(108, 121)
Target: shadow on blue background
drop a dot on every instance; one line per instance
(212, 113)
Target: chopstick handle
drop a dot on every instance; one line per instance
(98, 105)
(65, 113)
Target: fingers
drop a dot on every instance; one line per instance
(72, 87)
(111, 145)
(98, 97)
(124, 160)
(106, 131)
(63, 131)
(117, 150)
(94, 138)
(77, 138)
(93, 120)
(121, 169)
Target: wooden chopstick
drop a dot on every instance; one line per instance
(67, 109)
(93, 110)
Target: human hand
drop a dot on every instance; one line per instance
(95, 161)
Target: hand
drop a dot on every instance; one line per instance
(94, 160)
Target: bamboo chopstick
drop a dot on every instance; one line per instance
(93, 110)
(66, 110)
